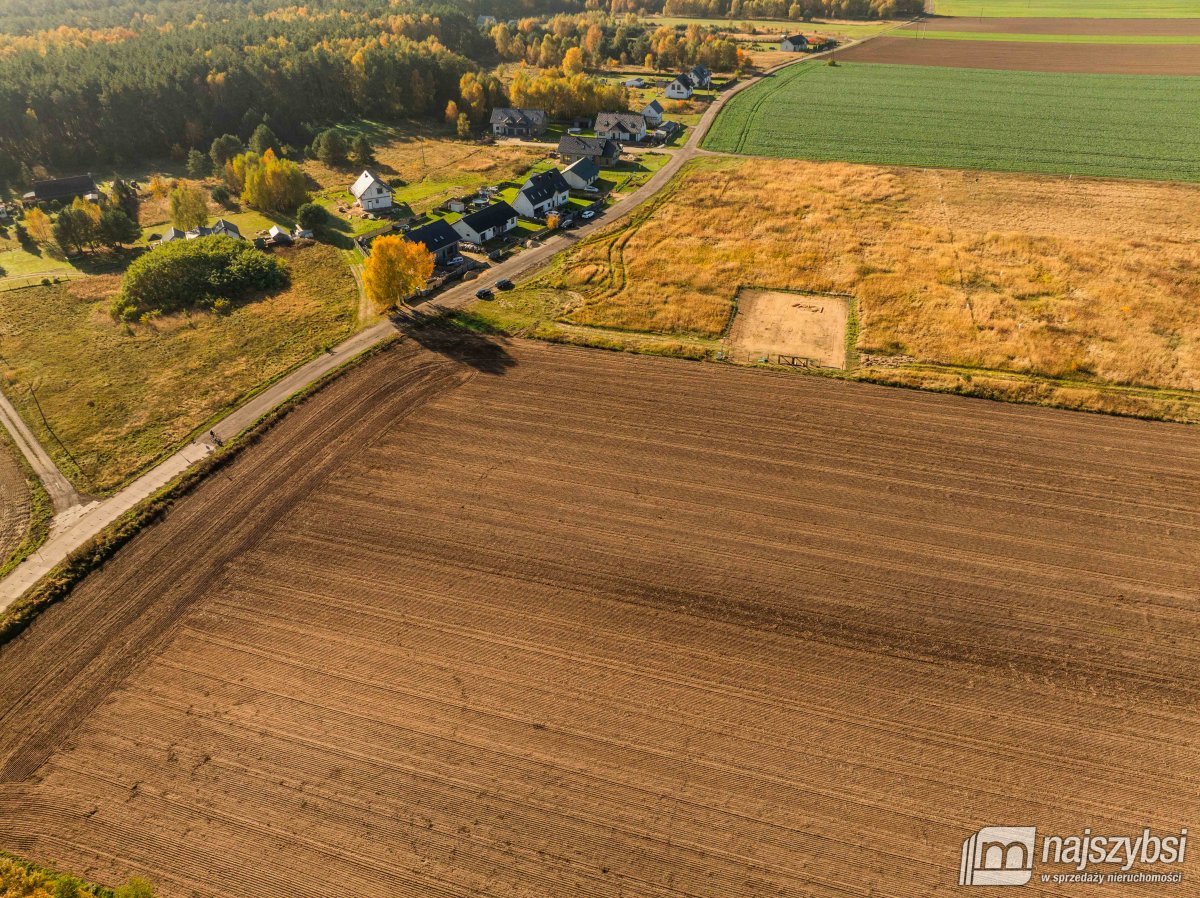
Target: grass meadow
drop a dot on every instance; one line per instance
(1080, 124)
(1070, 9)
(119, 397)
(973, 278)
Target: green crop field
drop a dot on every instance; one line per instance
(918, 33)
(1134, 126)
(1068, 9)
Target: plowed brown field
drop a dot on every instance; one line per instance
(562, 623)
(1103, 59)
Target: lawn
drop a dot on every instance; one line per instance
(1041, 281)
(121, 397)
(1070, 9)
(1107, 125)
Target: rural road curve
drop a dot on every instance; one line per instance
(79, 524)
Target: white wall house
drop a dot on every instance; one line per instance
(794, 43)
(487, 224)
(372, 194)
(681, 88)
(622, 126)
(653, 114)
(542, 194)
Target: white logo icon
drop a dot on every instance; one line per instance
(998, 856)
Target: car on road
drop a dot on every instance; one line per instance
(504, 284)
(484, 293)
(586, 214)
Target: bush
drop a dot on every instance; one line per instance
(187, 274)
(310, 216)
(221, 194)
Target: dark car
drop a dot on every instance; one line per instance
(484, 293)
(496, 255)
(504, 284)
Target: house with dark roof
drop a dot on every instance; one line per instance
(62, 190)
(603, 152)
(653, 114)
(439, 238)
(487, 224)
(172, 234)
(681, 88)
(624, 126)
(518, 122)
(701, 77)
(581, 174)
(794, 43)
(542, 194)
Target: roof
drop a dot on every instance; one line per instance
(172, 234)
(364, 182)
(701, 69)
(527, 118)
(653, 106)
(620, 121)
(223, 226)
(62, 188)
(584, 169)
(435, 236)
(685, 79)
(796, 39)
(494, 216)
(574, 145)
(544, 185)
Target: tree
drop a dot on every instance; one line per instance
(267, 182)
(199, 166)
(572, 63)
(553, 220)
(310, 216)
(451, 113)
(220, 194)
(73, 230)
(464, 125)
(395, 270)
(159, 186)
(223, 149)
(331, 148)
(117, 228)
(189, 208)
(362, 151)
(135, 888)
(39, 226)
(263, 139)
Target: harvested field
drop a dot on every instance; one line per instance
(770, 324)
(16, 501)
(1120, 28)
(557, 622)
(1115, 59)
(1070, 9)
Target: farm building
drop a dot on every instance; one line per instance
(487, 224)
(581, 174)
(794, 43)
(518, 122)
(681, 88)
(371, 192)
(603, 152)
(542, 194)
(62, 190)
(623, 126)
(653, 114)
(439, 238)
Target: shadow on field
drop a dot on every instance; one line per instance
(483, 352)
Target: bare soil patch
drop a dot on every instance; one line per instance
(1109, 27)
(771, 323)
(604, 625)
(1101, 59)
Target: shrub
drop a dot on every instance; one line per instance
(221, 194)
(310, 216)
(188, 274)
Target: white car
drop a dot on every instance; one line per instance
(586, 214)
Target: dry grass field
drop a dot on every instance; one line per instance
(555, 622)
(1086, 282)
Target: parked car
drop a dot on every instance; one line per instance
(484, 293)
(591, 189)
(457, 260)
(574, 130)
(587, 213)
(504, 284)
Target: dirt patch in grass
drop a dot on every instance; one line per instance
(1111, 59)
(772, 324)
(118, 397)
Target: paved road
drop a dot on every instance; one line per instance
(76, 523)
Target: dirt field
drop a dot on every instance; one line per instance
(15, 502)
(1105, 59)
(770, 324)
(1109, 27)
(568, 623)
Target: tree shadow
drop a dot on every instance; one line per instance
(430, 328)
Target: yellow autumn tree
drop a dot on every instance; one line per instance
(572, 63)
(37, 223)
(395, 270)
(189, 207)
(267, 182)
(88, 208)
(159, 187)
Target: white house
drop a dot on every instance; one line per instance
(542, 194)
(701, 77)
(623, 126)
(487, 224)
(681, 88)
(518, 122)
(372, 194)
(653, 114)
(794, 43)
(581, 174)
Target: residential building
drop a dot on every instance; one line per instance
(603, 152)
(439, 238)
(220, 228)
(681, 88)
(701, 77)
(487, 224)
(518, 122)
(372, 193)
(653, 114)
(581, 174)
(62, 190)
(794, 43)
(542, 194)
(623, 126)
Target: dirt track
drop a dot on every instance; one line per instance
(1111, 59)
(570, 623)
(1035, 25)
